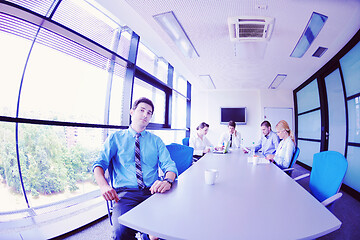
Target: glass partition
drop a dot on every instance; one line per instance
(307, 151)
(354, 119)
(352, 177)
(350, 65)
(309, 125)
(308, 97)
(337, 114)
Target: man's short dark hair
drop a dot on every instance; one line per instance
(232, 123)
(266, 124)
(143, 100)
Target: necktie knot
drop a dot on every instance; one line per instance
(137, 135)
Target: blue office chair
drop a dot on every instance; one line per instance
(327, 173)
(185, 141)
(182, 156)
(292, 162)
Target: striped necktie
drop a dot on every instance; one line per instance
(139, 175)
(230, 140)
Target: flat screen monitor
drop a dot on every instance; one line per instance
(238, 115)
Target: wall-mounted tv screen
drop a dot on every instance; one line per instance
(238, 115)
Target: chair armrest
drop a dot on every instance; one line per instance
(331, 199)
(302, 176)
(288, 169)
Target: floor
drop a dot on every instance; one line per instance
(346, 209)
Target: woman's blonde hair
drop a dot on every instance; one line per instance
(283, 125)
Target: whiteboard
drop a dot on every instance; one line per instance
(274, 115)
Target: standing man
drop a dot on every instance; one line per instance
(269, 141)
(231, 135)
(133, 156)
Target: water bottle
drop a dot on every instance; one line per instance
(252, 153)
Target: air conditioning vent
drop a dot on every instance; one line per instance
(250, 28)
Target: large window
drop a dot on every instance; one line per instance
(64, 87)
(75, 95)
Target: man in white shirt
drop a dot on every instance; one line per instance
(231, 135)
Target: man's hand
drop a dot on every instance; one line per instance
(109, 193)
(106, 191)
(206, 150)
(270, 157)
(160, 187)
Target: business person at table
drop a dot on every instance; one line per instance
(199, 142)
(269, 141)
(232, 136)
(136, 155)
(286, 147)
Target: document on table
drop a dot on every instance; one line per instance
(261, 160)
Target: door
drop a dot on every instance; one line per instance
(336, 119)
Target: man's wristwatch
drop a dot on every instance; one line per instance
(169, 180)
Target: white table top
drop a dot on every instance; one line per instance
(247, 202)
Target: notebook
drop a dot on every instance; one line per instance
(225, 150)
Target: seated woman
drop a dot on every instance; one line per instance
(199, 142)
(286, 147)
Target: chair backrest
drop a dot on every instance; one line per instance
(294, 157)
(327, 173)
(185, 141)
(182, 156)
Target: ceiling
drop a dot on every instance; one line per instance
(205, 22)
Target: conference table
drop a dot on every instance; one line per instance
(246, 202)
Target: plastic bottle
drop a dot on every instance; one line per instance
(252, 153)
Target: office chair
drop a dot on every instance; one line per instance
(292, 162)
(327, 173)
(182, 156)
(185, 141)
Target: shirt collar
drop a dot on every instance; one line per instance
(270, 133)
(133, 132)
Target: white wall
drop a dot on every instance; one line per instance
(206, 104)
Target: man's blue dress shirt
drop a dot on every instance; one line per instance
(119, 148)
(268, 144)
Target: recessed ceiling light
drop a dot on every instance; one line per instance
(207, 81)
(173, 28)
(277, 81)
